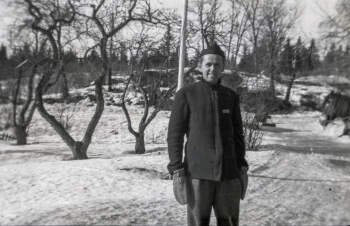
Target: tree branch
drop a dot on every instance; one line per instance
(125, 110)
(97, 115)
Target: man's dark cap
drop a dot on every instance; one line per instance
(213, 49)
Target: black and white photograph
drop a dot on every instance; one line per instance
(175, 112)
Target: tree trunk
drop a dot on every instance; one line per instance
(21, 135)
(255, 57)
(347, 127)
(272, 84)
(140, 143)
(272, 75)
(65, 90)
(109, 79)
(289, 88)
(78, 151)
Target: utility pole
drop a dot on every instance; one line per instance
(180, 79)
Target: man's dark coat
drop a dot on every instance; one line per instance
(193, 115)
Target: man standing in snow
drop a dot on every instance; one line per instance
(214, 169)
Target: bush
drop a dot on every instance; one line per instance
(263, 102)
(5, 116)
(252, 133)
(64, 114)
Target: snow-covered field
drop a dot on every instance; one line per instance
(301, 176)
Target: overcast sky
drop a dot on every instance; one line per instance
(312, 14)
(307, 26)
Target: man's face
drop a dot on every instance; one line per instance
(212, 65)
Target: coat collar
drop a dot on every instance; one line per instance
(210, 85)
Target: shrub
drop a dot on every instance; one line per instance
(5, 116)
(252, 133)
(64, 114)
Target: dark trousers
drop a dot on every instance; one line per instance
(223, 196)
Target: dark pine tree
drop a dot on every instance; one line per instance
(313, 60)
(330, 59)
(246, 62)
(94, 57)
(287, 59)
(3, 54)
(346, 61)
(300, 56)
(287, 66)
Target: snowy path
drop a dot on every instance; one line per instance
(306, 180)
(298, 189)
(302, 133)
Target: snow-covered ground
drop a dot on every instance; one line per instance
(301, 176)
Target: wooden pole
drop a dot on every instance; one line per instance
(180, 78)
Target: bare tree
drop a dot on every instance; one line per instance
(139, 42)
(51, 10)
(253, 10)
(28, 62)
(146, 117)
(212, 20)
(293, 57)
(48, 21)
(337, 26)
(30, 55)
(207, 22)
(110, 17)
(278, 20)
(134, 10)
(146, 82)
(22, 120)
(199, 10)
(238, 24)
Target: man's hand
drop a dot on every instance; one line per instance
(179, 173)
(244, 181)
(179, 186)
(166, 176)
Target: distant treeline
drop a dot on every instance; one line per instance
(73, 63)
(301, 57)
(304, 58)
